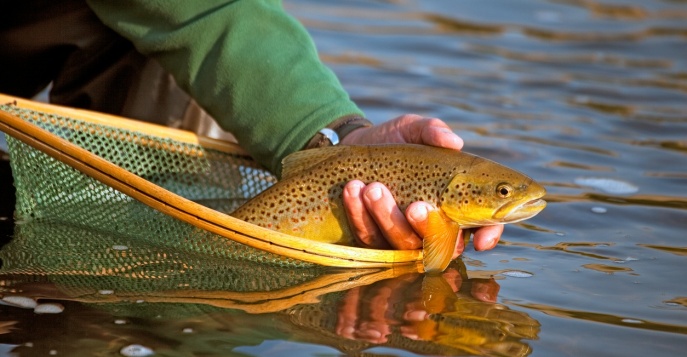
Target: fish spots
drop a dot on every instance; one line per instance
(302, 202)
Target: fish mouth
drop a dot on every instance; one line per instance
(522, 211)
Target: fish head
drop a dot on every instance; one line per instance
(488, 193)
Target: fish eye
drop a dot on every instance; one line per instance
(504, 190)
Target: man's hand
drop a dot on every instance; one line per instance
(372, 212)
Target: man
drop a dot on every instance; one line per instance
(248, 64)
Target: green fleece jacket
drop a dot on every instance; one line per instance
(248, 63)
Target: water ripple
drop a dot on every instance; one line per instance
(604, 318)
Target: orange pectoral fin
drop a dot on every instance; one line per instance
(439, 243)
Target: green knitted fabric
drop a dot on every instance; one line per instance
(248, 63)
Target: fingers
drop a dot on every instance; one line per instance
(417, 214)
(381, 205)
(377, 222)
(460, 244)
(375, 218)
(408, 128)
(435, 132)
(363, 226)
(486, 238)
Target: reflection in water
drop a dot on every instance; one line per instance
(674, 250)
(635, 200)
(351, 310)
(574, 248)
(451, 25)
(678, 301)
(604, 268)
(455, 313)
(606, 318)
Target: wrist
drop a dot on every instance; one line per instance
(353, 137)
(337, 131)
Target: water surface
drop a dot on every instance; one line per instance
(587, 97)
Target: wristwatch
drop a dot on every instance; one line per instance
(336, 131)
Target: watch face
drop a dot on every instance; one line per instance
(330, 135)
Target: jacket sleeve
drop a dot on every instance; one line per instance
(248, 63)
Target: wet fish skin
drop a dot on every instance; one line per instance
(469, 190)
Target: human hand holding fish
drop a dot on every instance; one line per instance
(372, 211)
(322, 195)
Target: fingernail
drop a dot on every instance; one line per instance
(374, 194)
(493, 242)
(457, 140)
(487, 244)
(353, 189)
(419, 213)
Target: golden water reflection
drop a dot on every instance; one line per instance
(448, 314)
(149, 287)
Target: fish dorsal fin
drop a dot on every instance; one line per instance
(303, 160)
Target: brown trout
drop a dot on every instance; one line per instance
(470, 191)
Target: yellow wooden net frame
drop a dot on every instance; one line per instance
(39, 126)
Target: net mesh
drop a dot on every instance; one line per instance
(51, 192)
